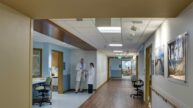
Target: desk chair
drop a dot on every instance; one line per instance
(137, 85)
(133, 79)
(44, 91)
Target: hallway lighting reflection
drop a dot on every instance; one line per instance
(115, 45)
(117, 51)
(109, 29)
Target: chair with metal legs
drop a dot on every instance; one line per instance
(137, 85)
(45, 92)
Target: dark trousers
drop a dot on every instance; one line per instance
(90, 88)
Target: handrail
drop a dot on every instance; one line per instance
(165, 99)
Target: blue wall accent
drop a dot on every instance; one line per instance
(115, 68)
(116, 74)
(66, 82)
(47, 58)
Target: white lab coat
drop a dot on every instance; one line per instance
(80, 71)
(91, 76)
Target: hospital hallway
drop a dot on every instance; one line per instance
(114, 94)
(96, 53)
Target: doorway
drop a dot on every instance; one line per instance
(57, 71)
(137, 64)
(148, 81)
(127, 69)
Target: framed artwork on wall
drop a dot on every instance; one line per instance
(37, 63)
(177, 58)
(159, 61)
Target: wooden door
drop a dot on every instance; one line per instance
(148, 75)
(57, 61)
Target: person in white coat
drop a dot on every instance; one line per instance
(80, 75)
(91, 78)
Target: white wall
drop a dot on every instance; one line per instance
(76, 55)
(102, 71)
(100, 61)
(141, 64)
(15, 54)
(158, 102)
(181, 93)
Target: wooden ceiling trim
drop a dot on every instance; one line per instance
(52, 30)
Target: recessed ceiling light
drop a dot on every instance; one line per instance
(117, 51)
(115, 45)
(119, 54)
(109, 29)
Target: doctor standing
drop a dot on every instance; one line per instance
(80, 76)
(91, 77)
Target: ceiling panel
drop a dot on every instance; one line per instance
(87, 31)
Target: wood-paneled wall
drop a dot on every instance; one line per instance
(50, 29)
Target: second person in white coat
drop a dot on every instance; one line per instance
(91, 78)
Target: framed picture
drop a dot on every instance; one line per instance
(37, 63)
(159, 61)
(177, 58)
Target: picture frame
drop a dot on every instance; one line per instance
(159, 61)
(177, 58)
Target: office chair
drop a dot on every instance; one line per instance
(137, 85)
(133, 79)
(44, 90)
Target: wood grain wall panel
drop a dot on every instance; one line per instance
(52, 30)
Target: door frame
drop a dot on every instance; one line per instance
(60, 71)
(127, 59)
(148, 83)
(109, 66)
(137, 65)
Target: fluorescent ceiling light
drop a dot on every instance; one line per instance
(117, 51)
(109, 29)
(115, 45)
(119, 54)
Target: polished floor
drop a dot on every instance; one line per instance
(67, 100)
(114, 94)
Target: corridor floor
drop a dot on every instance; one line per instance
(114, 94)
(66, 100)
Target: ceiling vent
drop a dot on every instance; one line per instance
(137, 22)
(133, 28)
